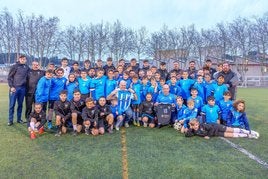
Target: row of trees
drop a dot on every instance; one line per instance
(41, 37)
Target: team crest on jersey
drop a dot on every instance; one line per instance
(66, 105)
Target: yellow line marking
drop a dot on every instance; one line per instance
(124, 154)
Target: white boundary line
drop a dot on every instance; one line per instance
(247, 153)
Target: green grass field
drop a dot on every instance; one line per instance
(151, 153)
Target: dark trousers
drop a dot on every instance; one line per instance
(29, 100)
(18, 95)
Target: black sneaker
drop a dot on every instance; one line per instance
(10, 123)
(74, 133)
(87, 131)
(20, 122)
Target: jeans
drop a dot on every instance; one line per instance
(18, 95)
(129, 114)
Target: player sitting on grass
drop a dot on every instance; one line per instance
(210, 130)
(62, 112)
(189, 113)
(211, 112)
(237, 116)
(37, 120)
(90, 117)
(147, 111)
(77, 105)
(105, 116)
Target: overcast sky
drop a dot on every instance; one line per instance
(136, 13)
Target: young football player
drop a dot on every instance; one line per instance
(43, 88)
(147, 112)
(211, 112)
(111, 83)
(237, 116)
(84, 84)
(98, 84)
(210, 130)
(71, 86)
(90, 117)
(136, 86)
(185, 83)
(62, 110)
(225, 106)
(37, 120)
(189, 113)
(77, 105)
(219, 88)
(105, 116)
(58, 84)
(180, 107)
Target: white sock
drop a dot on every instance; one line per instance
(75, 127)
(32, 125)
(238, 130)
(236, 135)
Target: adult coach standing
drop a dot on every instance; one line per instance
(32, 79)
(230, 78)
(17, 87)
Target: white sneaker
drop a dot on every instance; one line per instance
(117, 128)
(145, 124)
(255, 133)
(126, 125)
(252, 136)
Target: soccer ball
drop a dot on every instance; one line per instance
(177, 126)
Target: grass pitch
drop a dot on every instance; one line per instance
(151, 153)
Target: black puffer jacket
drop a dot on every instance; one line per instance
(17, 75)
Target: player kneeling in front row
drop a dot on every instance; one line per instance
(90, 117)
(62, 109)
(105, 115)
(210, 130)
(77, 105)
(37, 119)
(147, 111)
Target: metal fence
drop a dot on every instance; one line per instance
(257, 81)
(3, 74)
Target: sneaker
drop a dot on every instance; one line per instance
(32, 135)
(110, 130)
(159, 126)
(252, 136)
(126, 125)
(255, 133)
(87, 132)
(138, 123)
(20, 122)
(145, 124)
(74, 133)
(117, 128)
(41, 130)
(10, 123)
(49, 125)
(134, 123)
(58, 134)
